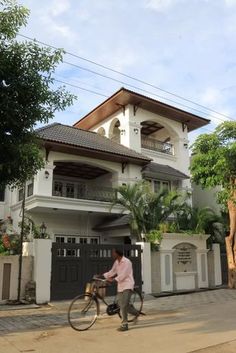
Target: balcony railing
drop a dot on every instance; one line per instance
(155, 145)
(83, 191)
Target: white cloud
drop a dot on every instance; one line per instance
(160, 5)
(230, 3)
(59, 7)
(211, 96)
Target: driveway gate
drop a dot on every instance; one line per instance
(73, 265)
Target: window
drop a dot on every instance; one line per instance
(60, 240)
(83, 240)
(2, 194)
(159, 185)
(30, 189)
(70, 190)
(156, 185)
(21, 195)
(71, 240)
(94, 240)
(58, 187)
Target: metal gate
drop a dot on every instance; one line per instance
(224, 268)
(73, 265)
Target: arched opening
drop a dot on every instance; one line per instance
(114, 131)
(82, 181)
(157, 137)
(101, 131)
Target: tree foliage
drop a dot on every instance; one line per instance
(147, 209)
(214, 160)
(27, 96)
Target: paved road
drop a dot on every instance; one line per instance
(201, 322)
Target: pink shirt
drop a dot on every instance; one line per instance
(123, 270)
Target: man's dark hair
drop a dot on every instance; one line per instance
(119, 251)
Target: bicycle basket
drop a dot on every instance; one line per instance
(113, 309)
(101, 289)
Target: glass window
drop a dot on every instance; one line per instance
(165, 185)
(2, 194)
(94, 241)
(30, 189)
(156, 185)
(57, 188)
(21, 194)
(83, 240)
(60, 240)
(70, 190)
(71, 240)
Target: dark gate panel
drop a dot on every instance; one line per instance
(73, 265)
(224, 268)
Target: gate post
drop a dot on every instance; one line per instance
(217, 264)
(42, 269)
(146, 267)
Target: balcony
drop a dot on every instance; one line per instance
(158, 146)
(84, 191)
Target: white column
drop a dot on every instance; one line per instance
(43, 181)
(42, 269)
(202, 268)
(217, 264)
(166, 270)
(146, 267)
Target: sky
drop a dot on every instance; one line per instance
(187, 47)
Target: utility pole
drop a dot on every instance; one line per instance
(21, 245)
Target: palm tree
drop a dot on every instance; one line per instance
(146, 208)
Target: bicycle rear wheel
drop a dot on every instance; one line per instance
(135, 305)
(83, 312)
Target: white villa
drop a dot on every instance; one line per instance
(127, 138)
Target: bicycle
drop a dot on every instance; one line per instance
(85, 308)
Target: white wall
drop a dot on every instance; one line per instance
(27, 274)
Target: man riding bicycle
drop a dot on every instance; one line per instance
(122, 273)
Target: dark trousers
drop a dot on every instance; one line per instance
(123, 299)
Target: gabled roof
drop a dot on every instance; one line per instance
(153, 170)
(124, 96)
(88, 142)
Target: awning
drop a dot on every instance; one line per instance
(156, 170)
(120, 222)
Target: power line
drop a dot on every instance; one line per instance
(140, 89)
(82, 88)
(130, 77)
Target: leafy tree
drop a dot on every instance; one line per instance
(27, 96)
(214, 165)
(147, 209)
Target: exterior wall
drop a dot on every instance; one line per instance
(130, 136)
(170, 274)
(27, 274)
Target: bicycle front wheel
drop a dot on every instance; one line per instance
(83, 312)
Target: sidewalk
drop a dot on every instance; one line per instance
(193, 323)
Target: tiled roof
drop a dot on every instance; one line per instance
(156, 168)
(70, 135)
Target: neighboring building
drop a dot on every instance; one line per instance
(125, 139)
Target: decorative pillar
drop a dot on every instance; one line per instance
(166, 270)
(146, 267)
(202, 268)
(217, 264)
(42, 269)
